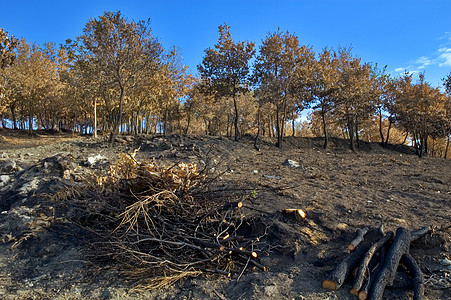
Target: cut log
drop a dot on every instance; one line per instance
(363, 294)
(363, 267)
(417, 276)
(231, 205)
(415, 235)
(360, 233)
(387, 274)
(299, 214)
(342, 270)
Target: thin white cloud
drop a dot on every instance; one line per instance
(444, 57)
(446, 36)
(440, 58)
(423, 62)
(409, 69)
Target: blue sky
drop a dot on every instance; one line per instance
(402, 34)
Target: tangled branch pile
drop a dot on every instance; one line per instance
(158, 224)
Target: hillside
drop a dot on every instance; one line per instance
(339, 190)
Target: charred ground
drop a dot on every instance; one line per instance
(339, 190)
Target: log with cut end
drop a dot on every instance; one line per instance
(415, 235)
(299, 214)
(363, 267)
(387, 274)
(360, 233)
(342, 270)
(230, 205)
(363, 294)
(417, 276)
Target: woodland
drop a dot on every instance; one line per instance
(117, 77)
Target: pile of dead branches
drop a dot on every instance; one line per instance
(159, 224)
(373, 261)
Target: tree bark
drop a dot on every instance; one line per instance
(360, 233)
(351, 134)
(357, 141)
(387, 274)
(360, 276)
(388, 132)
(258, 131)
(30, 120)
(13, 115)
(446, 149)
(415, 235)
(95, 118)
(235, 106)
(118, 122)
(417, 276)
(344, 267)
(380, 129)
(363, 294)
(278, 129)
(326, 138)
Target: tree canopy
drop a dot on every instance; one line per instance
(117, 77)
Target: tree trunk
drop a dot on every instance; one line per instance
(188, 120)
(388, 131)
(446, 149)
(235, 106)
(357, 132)
(278, 128)
(351, 134)
(405, 138)
(258, 130)
(118, 122)
(270, 127)
(95, 118)
(30, 120)
(326, 138)
(380, 129)
(13, 116)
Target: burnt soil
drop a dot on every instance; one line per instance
(339, 190)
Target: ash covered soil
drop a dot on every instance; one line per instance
(339, 190)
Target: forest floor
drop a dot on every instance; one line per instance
(339, 190)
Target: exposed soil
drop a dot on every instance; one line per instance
(339, 190)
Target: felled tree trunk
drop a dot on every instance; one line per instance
(363, 294)
(342, 270)
(417, 276)
(360, 276)
(360, 233)
(387, 274)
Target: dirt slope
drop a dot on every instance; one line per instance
(339, 190)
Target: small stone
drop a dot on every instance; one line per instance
(446, 262)
(92, 160)
(8, 166)
(4, 179)
(291, 163)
